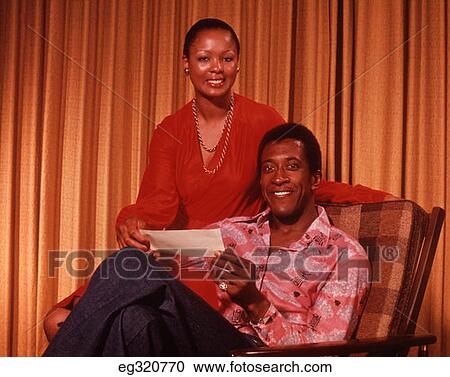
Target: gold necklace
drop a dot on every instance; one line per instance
(226, 128)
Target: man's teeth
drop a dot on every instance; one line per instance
(281, 193)
(215, 81)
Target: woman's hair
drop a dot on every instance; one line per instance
(297, 132)
(208, 24)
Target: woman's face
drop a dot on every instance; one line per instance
(212, 63)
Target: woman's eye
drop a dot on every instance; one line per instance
(267, 169)
(228, 59)
(293, 166)
(203, 58)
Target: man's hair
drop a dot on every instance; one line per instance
(208, 24)
(297, 132)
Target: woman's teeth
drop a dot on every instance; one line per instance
(215, 82)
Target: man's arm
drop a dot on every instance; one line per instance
(333, 316)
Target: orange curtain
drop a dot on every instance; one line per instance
(371, 79)
(82, 84)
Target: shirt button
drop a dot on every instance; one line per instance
(232, 244)
(296, 293)
(250, 231)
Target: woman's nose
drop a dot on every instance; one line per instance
(216, 65)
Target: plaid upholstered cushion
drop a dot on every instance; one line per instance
(392, 233)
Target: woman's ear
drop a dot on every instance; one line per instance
(185, 64)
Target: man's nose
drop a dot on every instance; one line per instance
(280, 177)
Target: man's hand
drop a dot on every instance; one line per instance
(240, 275)
(129, 234)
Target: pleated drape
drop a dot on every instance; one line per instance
(83, 83)
(371, 80)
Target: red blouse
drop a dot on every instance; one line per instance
(177, 193)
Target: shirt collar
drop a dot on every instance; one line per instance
(317, 235)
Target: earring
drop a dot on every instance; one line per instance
(238, 69)
(186, 70)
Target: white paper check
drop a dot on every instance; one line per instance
(195, 242)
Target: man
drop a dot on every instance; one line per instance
(298, 297)
(286, 277)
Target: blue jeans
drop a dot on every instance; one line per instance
(133, 307)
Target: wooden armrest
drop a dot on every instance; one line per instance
(384, 346)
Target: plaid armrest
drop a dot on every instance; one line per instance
(391, 232)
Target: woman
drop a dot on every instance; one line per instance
(202, 159)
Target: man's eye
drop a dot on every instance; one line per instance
(229, 59)
(293, 166)
(203, 58)
(267, 169)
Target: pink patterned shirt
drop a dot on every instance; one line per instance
(316, 287)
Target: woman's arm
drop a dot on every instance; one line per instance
(157, 204)
(338, 192)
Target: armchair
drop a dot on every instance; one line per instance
(401, 241)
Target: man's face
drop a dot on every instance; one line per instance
(286, 181)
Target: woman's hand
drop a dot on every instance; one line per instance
(240, 275)
(129, 234)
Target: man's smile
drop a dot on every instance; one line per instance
(281, 193)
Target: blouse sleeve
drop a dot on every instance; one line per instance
(338, 192)
(158, 201)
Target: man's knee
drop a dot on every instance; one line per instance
(126, 264)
